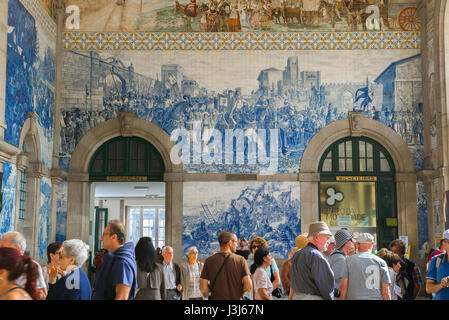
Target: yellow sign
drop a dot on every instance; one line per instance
(348, 204)
(391, 222)
(344, 178)
(126, 179)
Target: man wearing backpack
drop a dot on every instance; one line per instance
(437, 280)
(409, 272)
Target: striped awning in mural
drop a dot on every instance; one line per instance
(241, 41)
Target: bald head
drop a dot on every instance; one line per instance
(14, 240)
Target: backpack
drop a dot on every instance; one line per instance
(440, 258)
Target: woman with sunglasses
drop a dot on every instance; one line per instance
(272, 270)
(74, 285)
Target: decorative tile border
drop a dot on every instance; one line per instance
(241, 41)
(41, 16)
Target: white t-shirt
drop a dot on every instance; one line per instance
(261, 280)
(40, 281)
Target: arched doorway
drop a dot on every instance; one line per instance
(128, 163)
(80, 200)
(357, 189)
(356, 125)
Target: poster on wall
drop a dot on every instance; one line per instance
(348, 204)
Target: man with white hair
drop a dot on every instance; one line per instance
(17, 241)
(172, 275)
(365, 276)
(311, 275)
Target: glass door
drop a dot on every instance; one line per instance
(147, 221)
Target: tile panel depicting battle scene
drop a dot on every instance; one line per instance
(295, 94)
(244, 15)
(250, 209)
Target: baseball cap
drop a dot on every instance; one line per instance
(365, 238)
(446, 235)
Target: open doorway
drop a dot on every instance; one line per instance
(139, 205)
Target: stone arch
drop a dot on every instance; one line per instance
(357, 125)
(30, 163)
(78, 198)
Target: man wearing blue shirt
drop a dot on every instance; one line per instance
(437, 280)
(116, 277)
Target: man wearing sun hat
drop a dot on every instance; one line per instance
(311, 275)
(365, 276)
(344, 246)
(437, 280)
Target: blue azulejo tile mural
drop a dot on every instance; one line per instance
(30, 78)
(44, 218)
(61, 212)
(267, 209)
(423, 222)
(8, 210)
(287, 97)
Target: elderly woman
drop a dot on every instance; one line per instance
(74, 285)
(190, 275)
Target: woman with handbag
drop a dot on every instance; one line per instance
(272, 270)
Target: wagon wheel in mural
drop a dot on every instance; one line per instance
(394, 23)
(409, 20)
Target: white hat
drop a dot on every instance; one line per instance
(332, 239)
(446, 234)
(365, 238)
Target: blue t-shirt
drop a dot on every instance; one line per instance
(74, 286)
(117, 268)
(443, 271)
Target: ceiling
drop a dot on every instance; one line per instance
(126, 189)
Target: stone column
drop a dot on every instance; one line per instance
(3, 49)
(173, 213)
(407, 210)
(57, 176)
(78, 208)
(309, 200)
(34, 175)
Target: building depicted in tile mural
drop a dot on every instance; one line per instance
(186, 118)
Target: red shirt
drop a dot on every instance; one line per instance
(435, 253)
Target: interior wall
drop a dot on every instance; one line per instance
(296, 83)
(30, 81)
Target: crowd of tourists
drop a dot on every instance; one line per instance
(322, 266)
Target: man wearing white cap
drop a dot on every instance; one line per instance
(311, 275)
(365, 276)
(437, 280)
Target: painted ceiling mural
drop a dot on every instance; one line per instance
(244, 15)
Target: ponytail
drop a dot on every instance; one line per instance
(32, 274)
